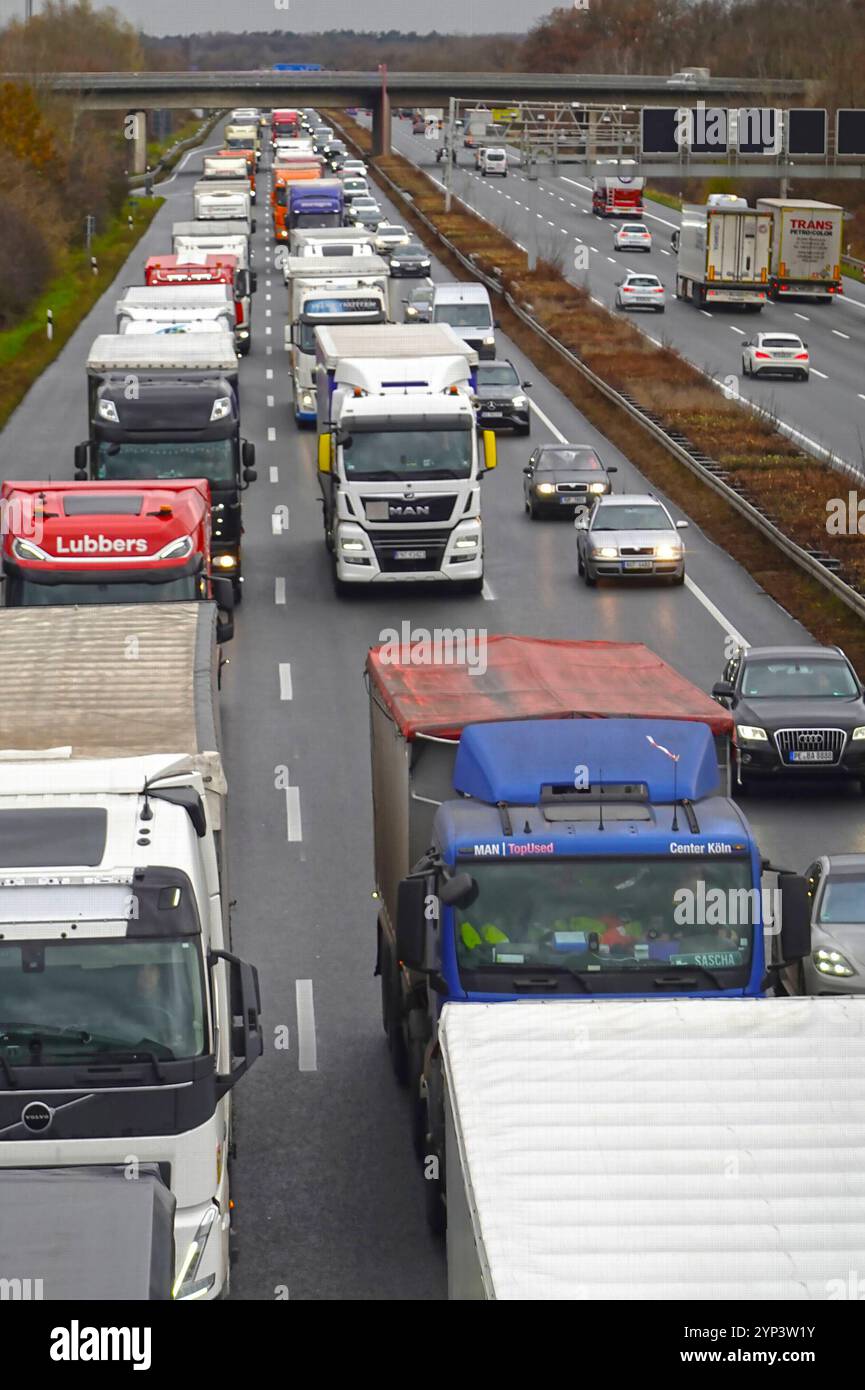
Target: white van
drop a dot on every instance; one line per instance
(468, 310)
(494, 162)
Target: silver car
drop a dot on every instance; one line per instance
(389, 235)
(638, 291)
(632, 236)
(630, 535)
(836, 965)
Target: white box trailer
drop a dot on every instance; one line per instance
(805, 248)
(705, 1149)
(213, 200)
(723, 256)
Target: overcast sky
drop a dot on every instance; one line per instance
(303, 16)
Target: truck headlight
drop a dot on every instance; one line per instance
(352, 547)
(546, 489)
(225, 562)
(466, 543)
(858, 733)
(177, 549)
(28, 550)
(669, 551)
(107, 410)
(185, 1285)
(750, 733)
(519, 402)
(489, 342)
(832, 963)
(307, 398)
(607, 552)
(221, 408)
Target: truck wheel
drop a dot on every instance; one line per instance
(238, 590)
(391, 1006)
(433, 1179)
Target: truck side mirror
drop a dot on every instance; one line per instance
(325, 453)
(222, 589)
(459, 891)
(81, 451)
(489, 449)
(248, 456)
(723, 690)
(612, 468)
(253, 224)
(247, 1042)
(795, 917)
(411, 923)
(253, 281)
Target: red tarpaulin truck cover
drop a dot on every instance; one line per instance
(533, 678)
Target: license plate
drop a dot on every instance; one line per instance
(571, 499)
(491, 414)
(811, 756)
(637, 564)
(409, 555)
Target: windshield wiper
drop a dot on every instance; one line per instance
(539, 979)
(674, 981)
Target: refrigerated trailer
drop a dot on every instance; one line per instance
(723, 256)
(805, 248)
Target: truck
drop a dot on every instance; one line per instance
(666, 1152)
(723, 256)
(315, 203)
(550, 819)
(89, 1232)
(400, 462)
(194, 244)
(169, 407)
(231, 164)
(330, 242)
(321, 291)
(617, 195)
(804, 248)
(284, 122)
(177, 305)
(244, 137)
(119, 542)
(298, 169)
(215, 200)
(127, 1018)
(476, 127)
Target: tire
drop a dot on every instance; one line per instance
(391, 1002)
(746, 370)
(524, 430)
(677, 580)
(660, 309)
(588, 578)
(532, 511)
(579, 565)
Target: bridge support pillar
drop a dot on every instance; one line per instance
(135, 131)
(381, 123)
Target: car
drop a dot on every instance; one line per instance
(630, 535)
(499, 398)
(836, 962)
(353, 169)
(418, 126)
(492, 161)
(776, 354)
(418, 304)
(353, 186)
(366, 215)
(409, 258)
(560, 477)
(632, 236)
(799, 712)
(639, 291)
(388, 235)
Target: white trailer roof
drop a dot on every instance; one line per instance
(306, 268)
(171, 297)
(687, 1149)
(391, 340)
(229, 226)
(120, 352)
(140, 323)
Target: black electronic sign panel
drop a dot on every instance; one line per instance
(806, 130)
(850, 131)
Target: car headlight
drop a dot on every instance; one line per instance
(423, 263)
(858, 733)
(107, 410)
(177, 549)
(185, 1285)
(352, 546)
(832, 963)
(596, 487)
(546, 489)
(225, 562)
(607, 552)
(519, 402)
(751, 733)
(221, 408)
(489, 342)
(28, 550)
(668, 551)
(411, 312)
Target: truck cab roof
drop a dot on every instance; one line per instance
(115, 352)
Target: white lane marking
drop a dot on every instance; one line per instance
(564, 231)
(307, 1056)
(593, 248)
(271, 434)
(267, 312)
(705, 313)
(550, 224)
(269, 374)
(665, 253)
(487, 593)
(548, 422)
(845, 299)
(820, 374)
(861, 397)
(269, 351)
(734, 329)
(612, 261)
(267, 285)
(716, 613)
(279, 521)
(294, 829)
(279, 591)
(274, 473)
(285, 687)
(268, 297)
(803, 317)
(268, 330)
(839, 334)
(270, 402)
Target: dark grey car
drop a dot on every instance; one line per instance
(409, 259)
(560, 478)
(499, 397)
(418, 304)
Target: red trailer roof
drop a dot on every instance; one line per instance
(535, 678)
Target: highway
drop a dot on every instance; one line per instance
(329, 1201)
(828, 410)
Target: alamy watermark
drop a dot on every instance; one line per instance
(438, 646)
(711, 125)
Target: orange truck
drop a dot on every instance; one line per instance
(296, 170)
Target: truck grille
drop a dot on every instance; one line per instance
(401, 510)
(811, 741)
(433, 543)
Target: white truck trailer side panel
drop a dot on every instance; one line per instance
(627, 1150)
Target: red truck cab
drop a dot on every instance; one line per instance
(284, 122)
(147, 541)
(221, 269)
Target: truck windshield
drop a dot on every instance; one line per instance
(64, 1000)
(307, 326)
(206, 458)
(463, 315)
(316, 219)
(603, 915)
(420, 453)
(27, 593)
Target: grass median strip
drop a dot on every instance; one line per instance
(791, 488)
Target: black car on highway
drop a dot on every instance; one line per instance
(799, 713)
(418, 304)
(561, 477)
(410, 259)
(499, 397)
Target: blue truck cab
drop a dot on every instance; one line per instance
(315, 203)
